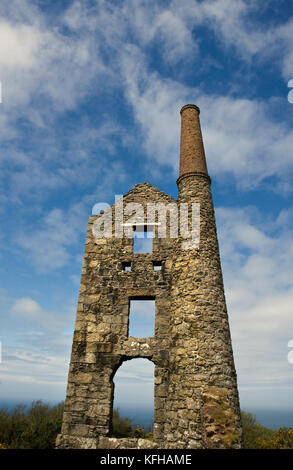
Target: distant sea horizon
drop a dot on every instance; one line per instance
(269, 418)
(273, 419)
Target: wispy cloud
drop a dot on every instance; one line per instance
(90, 84)
(48, 71)
(241, 136)
(257, 262)
(33, 314)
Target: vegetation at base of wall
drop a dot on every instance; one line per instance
(257, 436)
(282, 439)
(121, 427)
(124, 427)
(37, 426)
(34, 427)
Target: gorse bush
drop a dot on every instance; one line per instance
(282, 439)
(33, 428)
(138, 433)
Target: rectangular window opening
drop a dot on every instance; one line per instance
(157, 265)
(126, 266)
(141, 317)
(143, 238)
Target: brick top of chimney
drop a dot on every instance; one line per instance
(190, 106)
(192, 155)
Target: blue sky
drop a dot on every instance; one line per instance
(91, 94)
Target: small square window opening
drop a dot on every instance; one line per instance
(157, 265)
(126, 266)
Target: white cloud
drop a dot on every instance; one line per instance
(240, 135)
(285, 35)
(62, 66)
(21, 45)
(241, 138)
(235, 26)
(155, 103)
(33, 314)
(57, 161)
(229, 20)
(28, 375)
(50, 243)
(257, 264)
(147, 23)
(51, 71)
(39, 61)
(49, 65)
(35, 349)
(46, 71)
(134, 384)
(48, 247)
(27, 307)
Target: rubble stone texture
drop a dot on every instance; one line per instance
(196, 401)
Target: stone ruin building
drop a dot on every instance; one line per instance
(196, 401)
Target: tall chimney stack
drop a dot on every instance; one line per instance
(196, 403)
(192, 155)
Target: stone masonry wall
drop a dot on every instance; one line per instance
(196, 399)
(206, 377)
(101, 341)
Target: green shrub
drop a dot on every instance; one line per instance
(138, 433)
(124, 427)
(33, 428)
(121, 427)
(37, 427)
(282, 439)
(254, 431)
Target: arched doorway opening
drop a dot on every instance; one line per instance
(133, 395)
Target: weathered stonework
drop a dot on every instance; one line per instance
(195, 389)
